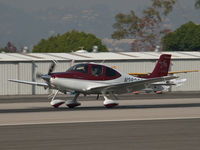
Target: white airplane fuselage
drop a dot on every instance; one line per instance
(83, 86)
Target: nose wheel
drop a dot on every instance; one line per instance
(56, 102)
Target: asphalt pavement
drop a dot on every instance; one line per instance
(169, 121)
(127, 135)
(141, 96)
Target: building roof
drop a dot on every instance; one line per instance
(94, 56)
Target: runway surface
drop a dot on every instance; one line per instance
(44, 98)
(128, 135)
(149, 123)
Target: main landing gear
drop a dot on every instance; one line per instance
(108, 103)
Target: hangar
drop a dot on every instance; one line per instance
(24, 66)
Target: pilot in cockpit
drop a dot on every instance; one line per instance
(96, 71)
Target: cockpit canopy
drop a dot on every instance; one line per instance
(95, 71)
(80, 68)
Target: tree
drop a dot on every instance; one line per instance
(185, 38)
(146, 30)
(197, 4)
(9, 48)
(68, 42)
(2, 50)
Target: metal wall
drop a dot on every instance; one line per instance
(24, 71)
(8, 70)
(193, 79)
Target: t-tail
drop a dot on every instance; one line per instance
(162, 67)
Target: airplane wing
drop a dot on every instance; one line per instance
(130, 86)
(163, 84)
(184, 71)
(138, 74)
(171, 72)
(29, 82)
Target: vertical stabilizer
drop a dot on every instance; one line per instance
(162, 67)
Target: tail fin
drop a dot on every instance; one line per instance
(162, 66)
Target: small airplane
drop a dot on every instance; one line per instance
(92, 78)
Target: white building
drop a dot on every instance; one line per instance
(25, 65)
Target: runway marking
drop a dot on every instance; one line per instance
(99, 121)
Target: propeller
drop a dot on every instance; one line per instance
(52, 67)
(46, 77)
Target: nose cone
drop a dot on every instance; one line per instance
(46, 77)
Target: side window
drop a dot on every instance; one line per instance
(110, 72)
(96, 70)
(81, 68)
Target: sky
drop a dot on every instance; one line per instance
(25, 22)
(32, 5)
